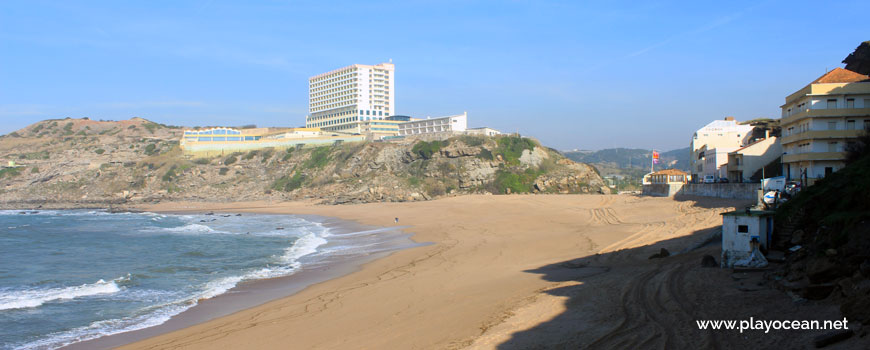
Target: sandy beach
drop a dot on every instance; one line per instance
(513, 272)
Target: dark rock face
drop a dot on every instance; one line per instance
(859, 60)
(709, 261)
(663, 253)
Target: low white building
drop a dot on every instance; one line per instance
(739, 229)
(443, 126)
(482, 131)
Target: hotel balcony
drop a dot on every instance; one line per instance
(799, 157)
(820, 135)
(822, 113)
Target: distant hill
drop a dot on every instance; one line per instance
(631, 158)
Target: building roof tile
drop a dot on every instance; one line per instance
(670, 172)
(840, 75)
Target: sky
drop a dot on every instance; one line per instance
(574, 74)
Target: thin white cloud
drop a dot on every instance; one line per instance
(706, 27)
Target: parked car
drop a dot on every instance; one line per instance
(792, 187)
(723, 180)
(709, 179)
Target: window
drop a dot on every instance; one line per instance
(832, 125)
(832, 103)
(743, 228)
(832, 146)
(850, 125)
(850, 103)
(867, 124)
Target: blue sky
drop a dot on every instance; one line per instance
(574, 74)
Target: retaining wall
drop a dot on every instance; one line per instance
(748, 191)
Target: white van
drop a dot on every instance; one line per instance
(709, 179)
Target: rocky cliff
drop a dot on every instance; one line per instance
(79, 162)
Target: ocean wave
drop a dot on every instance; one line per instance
(303, 246)
(154, 316)
(20, 299)
(190, 228)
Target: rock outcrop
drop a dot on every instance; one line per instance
(77, 162)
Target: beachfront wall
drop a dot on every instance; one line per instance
(213, 148)
(748, 191)
(661, 190)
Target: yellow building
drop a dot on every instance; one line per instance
(820, 120)
(666, 177)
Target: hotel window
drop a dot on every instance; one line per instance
(850, 103)
(850, 125)
(832, 104)
(832, 146)
(832, 125)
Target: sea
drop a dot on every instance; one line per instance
(68, 276)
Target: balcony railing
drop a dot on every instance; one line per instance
(820, 134)
(823, 113)
(799, 157)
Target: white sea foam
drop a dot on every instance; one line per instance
(190, 228)
(19, 299)
(312, 238)
(154, 316)
(305, 245)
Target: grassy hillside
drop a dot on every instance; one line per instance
(92, 163)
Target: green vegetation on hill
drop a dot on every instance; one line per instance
(514, 181)
(510, 148)
(289, 183)
(320, 156)
(426, 149)
(9, 172)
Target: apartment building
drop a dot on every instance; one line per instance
(710, 146)
(820, 120)
(340, 100)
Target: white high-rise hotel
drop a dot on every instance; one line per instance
(339, 100)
